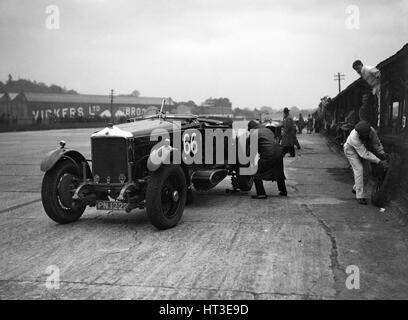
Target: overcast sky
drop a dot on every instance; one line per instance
(257, 52)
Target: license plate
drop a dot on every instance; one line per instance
(110, 205)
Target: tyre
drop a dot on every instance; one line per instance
(378, 198)
(57, 189)
(383, 186)
(166, 195)
(244, 182)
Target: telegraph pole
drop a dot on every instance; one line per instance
(112, 92)
(339, 77)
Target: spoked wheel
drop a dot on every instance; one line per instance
(57, 189)
(170, 196)
(166, 196)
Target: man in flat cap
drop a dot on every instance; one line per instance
(362, 148)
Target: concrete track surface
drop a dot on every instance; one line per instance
(227, 246)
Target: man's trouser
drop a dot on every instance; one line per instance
(290, 150)
(361, 171)
(265, 166)
(260, 190)
(371, 109)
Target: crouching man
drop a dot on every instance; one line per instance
(362, 148)
(270, 164)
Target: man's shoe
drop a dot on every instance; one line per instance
(362, 201)
(283, 194)
(259, 196)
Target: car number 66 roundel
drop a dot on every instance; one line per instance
(190, 144)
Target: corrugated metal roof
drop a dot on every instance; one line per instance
(400, 53)
(354, 84)
(90, 98)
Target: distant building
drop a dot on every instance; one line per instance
(183, 109)
(6, 112)
(35, 108)
(31, 107)
(266, 116)
(4, 104)
(214, 107)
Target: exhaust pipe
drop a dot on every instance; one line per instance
(208, 179)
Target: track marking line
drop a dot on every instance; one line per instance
(19, 206)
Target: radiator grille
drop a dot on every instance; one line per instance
(109, 158)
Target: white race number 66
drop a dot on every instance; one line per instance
(190, 144)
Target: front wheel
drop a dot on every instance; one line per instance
(166, 196)
(57, 189)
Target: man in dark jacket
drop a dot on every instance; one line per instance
(289, 134)
(301, 124)
(270, 164)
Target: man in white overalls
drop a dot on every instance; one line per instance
(362, 148)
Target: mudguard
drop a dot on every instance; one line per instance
(54, 156)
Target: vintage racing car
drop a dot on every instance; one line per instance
(123, 173)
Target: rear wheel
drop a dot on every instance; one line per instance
(166, 196)
(57, 189)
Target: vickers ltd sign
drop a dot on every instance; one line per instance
(89, 111)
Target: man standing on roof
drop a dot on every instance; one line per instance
(362, 148)
(370, 110)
